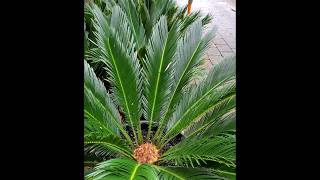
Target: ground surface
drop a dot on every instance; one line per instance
(224, 44)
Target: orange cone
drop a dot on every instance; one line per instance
(189, 7)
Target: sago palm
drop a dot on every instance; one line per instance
(159, 91)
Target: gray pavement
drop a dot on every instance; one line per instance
(224, 44)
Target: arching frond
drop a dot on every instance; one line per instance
(196, 151)
(122, 169)
(224, 123)
(190, 50)
(104, 144)
(118, 53)
(156, 9)
(219, 85)
(182, 173)
(134, 21)
(99, 110)
(223, 115)
(158, 70)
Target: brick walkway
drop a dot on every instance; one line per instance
(224, 44)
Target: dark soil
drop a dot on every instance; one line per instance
(171, 143)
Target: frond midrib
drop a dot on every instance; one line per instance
(114, 119)
(195, 104)
(122, 89)
(209, 123)
(117, 148)
(177, 85)
(157, 86)
(111, 132)
(134, 171)
(201, 114)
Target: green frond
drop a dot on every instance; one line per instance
(122, 169)
(99, 110)
(230, 175)
(182, 173)
(223, 115)
(158, 9)
(135, 21)
(93, 57)
(145, 18)
(219, 85)
(189, 53)
(190, 19)
(106, 145)
(182, 11)
(104, 5)
(153, 11)
(88, 25)
(207, 19)
(172, 14)
(224, 123)
(117, 51)
(158, 70)
(196, 151)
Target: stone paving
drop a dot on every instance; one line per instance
(224, 43)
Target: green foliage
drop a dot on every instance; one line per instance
(218, 86)
(122, 169)
(182, 173)
(194, 151)
(125, 169)
(149, 63)
(119, 55)
(158, 70)
(187, 60)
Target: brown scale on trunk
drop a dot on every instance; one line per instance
(146, 153)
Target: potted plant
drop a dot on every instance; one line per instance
(157, 91)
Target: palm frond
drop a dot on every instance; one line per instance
(158, 70)
(157, 9)
(153, 10)
(193, 152)
(230, 175)
(190, 19)
(99, 110)
(219, 85)
(182, 173)
(190, 50)
(223, 115)
(145, 17)
(224, 123)
(117, 51)
(104, 145)
(171, 14)
(187, 20)
(122, 169)
(104, 5)
(134, 21)
(207, 19)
